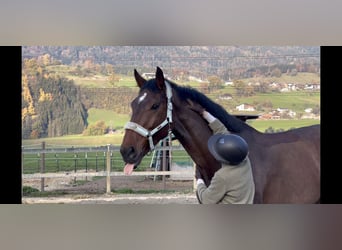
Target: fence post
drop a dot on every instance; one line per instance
(108, 168)
(75, 167)
(195, 182)
(57, 162)
(22, 159)
(86, 164)
(96, 161)
(164, 163)
(42, 167)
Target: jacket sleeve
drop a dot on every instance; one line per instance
(212, 194)
(218, 128)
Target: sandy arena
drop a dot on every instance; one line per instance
(94, 192)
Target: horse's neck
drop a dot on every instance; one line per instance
(191, 130)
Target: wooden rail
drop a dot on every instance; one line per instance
(188, 174)
(104, 173)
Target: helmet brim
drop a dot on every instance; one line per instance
(212, 144)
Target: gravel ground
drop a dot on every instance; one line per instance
(94, 192)
(174, 198)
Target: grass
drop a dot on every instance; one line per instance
(72, 162)
(298, 100)
(143, 191)
(92, 161)
(262, 125)
(116, 138)
(300, 78)
(77, 140)
(111, 118)
(33, 192)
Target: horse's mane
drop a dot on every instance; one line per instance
(231, 122)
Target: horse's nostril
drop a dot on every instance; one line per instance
(128, 153)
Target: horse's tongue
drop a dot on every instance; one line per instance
(128, 169)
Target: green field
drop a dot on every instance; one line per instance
(300, 78)
(299, 100)
(262, 125)
(112, 119)
(116, 138)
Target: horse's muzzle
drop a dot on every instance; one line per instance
(130, 155)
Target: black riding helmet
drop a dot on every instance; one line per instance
(228, 148)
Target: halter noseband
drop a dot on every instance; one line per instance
(149, 133)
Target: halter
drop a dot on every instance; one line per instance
(149, 133)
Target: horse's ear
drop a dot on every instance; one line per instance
(139, 79)
(160, 79)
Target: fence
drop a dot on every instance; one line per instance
(52, 162)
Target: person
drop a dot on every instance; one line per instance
(233, 183)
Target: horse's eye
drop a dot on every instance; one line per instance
(155, 106)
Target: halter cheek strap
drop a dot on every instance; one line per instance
(149, 133)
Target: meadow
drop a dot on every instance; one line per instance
(119, 120)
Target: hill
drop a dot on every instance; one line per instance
(228, 62)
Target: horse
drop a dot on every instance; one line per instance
(285, 165)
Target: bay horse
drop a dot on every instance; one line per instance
(285, 165)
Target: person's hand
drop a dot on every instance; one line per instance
(200, 181)
(194, 106)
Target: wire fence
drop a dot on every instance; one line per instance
(43, 161)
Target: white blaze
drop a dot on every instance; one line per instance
(141, 98)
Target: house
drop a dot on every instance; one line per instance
(265, 116)
(193, 78)
(245, 107)
(148, 75)
(308, 110)
(151, 75)
(229, 83)
(312, 86)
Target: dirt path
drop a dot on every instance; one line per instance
(94, 192)
(174, 198)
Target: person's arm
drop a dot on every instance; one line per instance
(215, 124)
(212, 194)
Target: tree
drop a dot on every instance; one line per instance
(113, 78)
(44, 60)
(263, 87)
(52, 107)
(215, 82)
(293, 72)
(27, 101)
(30, 66)
(239, 86)
(99, 128)
(276, 72)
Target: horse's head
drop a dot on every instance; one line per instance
(150, 121)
